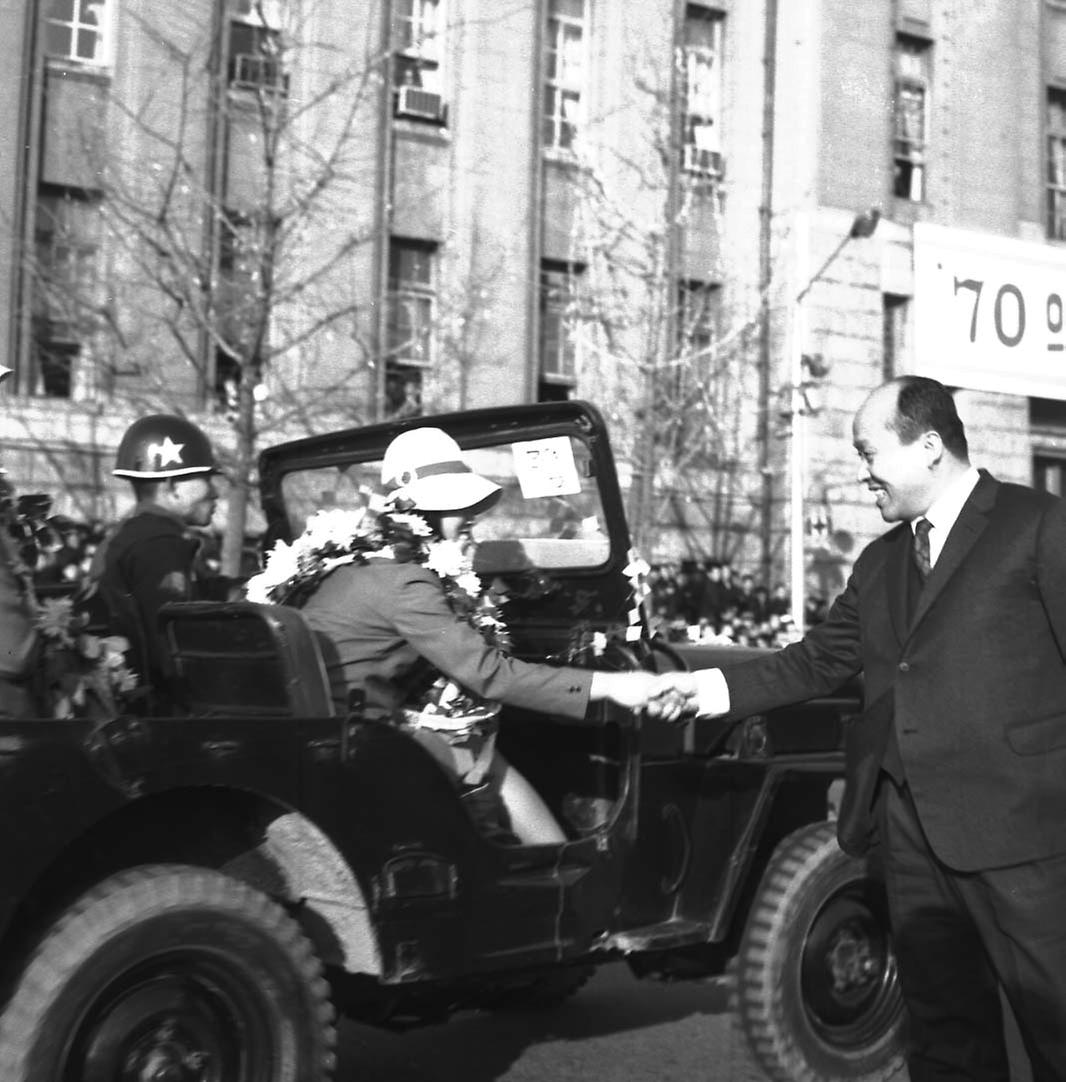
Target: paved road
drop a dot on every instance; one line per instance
(617, 1029)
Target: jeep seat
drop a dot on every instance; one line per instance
(238, 658)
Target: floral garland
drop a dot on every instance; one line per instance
(335, 537)
(78, 665)
(79, 673)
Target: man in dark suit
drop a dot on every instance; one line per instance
(958, 766)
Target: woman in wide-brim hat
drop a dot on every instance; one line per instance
(388, 620)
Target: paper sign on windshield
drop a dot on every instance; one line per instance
(546, 467)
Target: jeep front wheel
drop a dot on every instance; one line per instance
(817, 990)
(167, 973)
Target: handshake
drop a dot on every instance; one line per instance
(670, 696)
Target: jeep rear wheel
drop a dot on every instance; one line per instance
(168, 973)
(818, 994)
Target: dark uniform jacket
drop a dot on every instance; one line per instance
(967, 695)
(149, 560)
(384, 619)
(18, 636)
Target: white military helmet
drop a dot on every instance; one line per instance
(425, 467)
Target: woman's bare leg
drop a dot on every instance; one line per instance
(531, 819)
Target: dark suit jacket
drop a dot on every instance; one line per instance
(379, 622)
(974, 683)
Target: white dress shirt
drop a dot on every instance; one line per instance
(944, 511)
(711, 687)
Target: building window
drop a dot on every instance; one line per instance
(1056, 164)
(699, 305)
(564, 72)
(1049, 474)
(78, 30)
(64, 287)
(893, 331)
(255, 60)
(410, 317)
(698, 316)
(701, 62)
(418, 50)
(911, 118)
(559, 287)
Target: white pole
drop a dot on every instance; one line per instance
(797, 458)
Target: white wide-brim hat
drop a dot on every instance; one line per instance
(425, 467)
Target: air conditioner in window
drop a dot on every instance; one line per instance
(700, 162)
(253, 71)
(413, 101)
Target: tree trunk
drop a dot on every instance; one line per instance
(242, 479)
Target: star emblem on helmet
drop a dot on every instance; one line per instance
(165, 453)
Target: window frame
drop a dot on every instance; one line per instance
(701, 143)
(1055, 138)
(67, 252)
(558, 293)
(104, 29)
(909, 150)
(564, 95)
(260, 26)
(419, 57)
(420, 292)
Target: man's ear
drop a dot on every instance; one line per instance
(934, 448)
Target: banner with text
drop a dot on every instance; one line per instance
(989, 312)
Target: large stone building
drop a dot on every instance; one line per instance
(352, 211)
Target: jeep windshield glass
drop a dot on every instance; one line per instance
(549, 515)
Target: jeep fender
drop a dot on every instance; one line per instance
(298, 863)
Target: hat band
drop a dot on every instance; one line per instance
(434, 469)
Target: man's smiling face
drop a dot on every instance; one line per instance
(898, 474)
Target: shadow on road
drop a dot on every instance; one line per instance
(484, 1046)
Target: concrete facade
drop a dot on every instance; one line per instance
(445, 147)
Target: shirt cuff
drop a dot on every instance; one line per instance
(712, 693)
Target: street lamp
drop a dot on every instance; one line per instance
(863, 226)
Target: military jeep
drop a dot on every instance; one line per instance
(195, 896)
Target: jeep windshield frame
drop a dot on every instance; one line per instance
(560, 522)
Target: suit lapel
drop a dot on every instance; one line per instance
(898, 568)
(968, 528)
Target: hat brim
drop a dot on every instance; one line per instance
(452, 492)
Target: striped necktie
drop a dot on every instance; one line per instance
(921, 547)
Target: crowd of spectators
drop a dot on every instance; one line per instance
(64, 550)
(708, 602)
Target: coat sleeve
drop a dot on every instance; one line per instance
(421, 615)
(1051, 570)
(828, 655)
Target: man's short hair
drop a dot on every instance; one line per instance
(925, 405)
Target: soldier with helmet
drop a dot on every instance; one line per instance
(151, 555)
(17, 634)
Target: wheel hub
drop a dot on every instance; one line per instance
(851, 963)
(165, 1055)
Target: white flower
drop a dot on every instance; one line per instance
(448, 558)
(469, 583)
(331, 526)
(282, 564)
(415, 523)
